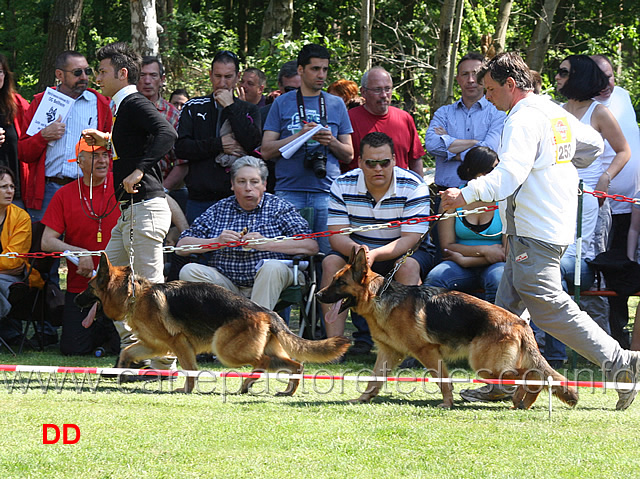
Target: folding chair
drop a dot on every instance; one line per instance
(30, 309)
(304, 295)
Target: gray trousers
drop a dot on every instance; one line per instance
(532, 280)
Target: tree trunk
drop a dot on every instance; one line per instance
(444, 67)
(366, 21)
(63, 32)
(243, 34)
(503, 23)
(144, 27)
(278, 17)
(540, 39)
(454, 46)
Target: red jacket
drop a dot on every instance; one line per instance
(32, 150)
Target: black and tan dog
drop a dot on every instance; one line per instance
(433, 325)
(191, 318)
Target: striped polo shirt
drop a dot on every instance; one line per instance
(352, 205)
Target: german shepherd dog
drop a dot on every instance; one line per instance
(433, 325)
(191, 318)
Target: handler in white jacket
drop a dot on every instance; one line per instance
(538, 182)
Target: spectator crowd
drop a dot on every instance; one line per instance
(230, 165)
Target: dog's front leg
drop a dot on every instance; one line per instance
(385, 362)
(430, 357)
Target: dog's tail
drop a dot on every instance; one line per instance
(319, 351)
(537, 362)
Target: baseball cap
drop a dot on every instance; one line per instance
(83, 146)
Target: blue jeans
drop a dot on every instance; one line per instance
(555, 350)
(319, 201)
(450, 275)
(50, 189)
(196, 208)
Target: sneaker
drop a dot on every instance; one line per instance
(487, 393)
(631, 375)
(410, 363)
(359, 348)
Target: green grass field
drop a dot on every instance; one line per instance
(141, 430)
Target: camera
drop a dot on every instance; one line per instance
(318, 163)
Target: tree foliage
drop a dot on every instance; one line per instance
(405, 35)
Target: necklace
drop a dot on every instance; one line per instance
(87, 205)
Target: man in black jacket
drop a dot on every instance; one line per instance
(212, 132)
(141, 136)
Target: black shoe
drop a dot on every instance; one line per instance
(359, 348)
(410, 363)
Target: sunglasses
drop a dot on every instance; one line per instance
(373, 163)
(78, 71)
(380, 90)
(287, 89)
(563, 72)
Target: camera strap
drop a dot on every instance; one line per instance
(321, 104)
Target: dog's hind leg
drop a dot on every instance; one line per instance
(260, 366)
(386, 361)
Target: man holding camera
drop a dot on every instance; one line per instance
(306, 177)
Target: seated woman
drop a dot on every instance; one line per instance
(472, 246)
(15, 236)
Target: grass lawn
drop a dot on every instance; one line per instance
(141, 430)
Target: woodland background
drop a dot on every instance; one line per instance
(419, 42)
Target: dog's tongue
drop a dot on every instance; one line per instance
(332, 315)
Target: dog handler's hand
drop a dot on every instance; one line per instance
(130, 183)
(85, 266)
(451, 199)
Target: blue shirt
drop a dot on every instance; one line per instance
(482, 122)
(272, 217)
(83, 115)
(284, 118)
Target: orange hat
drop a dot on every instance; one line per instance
(83, 146)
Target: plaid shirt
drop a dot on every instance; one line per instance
(172, 115)
(272, 217)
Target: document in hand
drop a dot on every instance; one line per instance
(288, 150)
(54, 105)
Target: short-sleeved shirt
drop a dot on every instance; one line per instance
(397, 123)
(69, 212)
(351, 204)
(284, 118)
(272, 217)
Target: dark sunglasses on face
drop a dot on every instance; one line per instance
(563, 72)
(78, 71)
(287, 89)
(373, 163)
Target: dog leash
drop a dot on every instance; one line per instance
(131, 253)
(389, 277)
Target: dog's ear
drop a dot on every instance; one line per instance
(360, 265)
(352, 255)
(102, 276)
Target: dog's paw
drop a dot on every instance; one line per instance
(182, 390)
(359, 400)
(445, 405)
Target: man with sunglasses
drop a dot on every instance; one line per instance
(44, 156)
(377, 114)
(213, 130)
(376, 192)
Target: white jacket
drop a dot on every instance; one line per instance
(536, 175)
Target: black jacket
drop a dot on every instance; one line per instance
(141, 138)
(197, 142)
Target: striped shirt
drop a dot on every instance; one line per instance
(350, 204)
(273, 217)
(83, 114)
